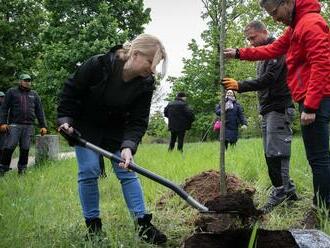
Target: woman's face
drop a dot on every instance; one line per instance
(230, 94)
(142, 64)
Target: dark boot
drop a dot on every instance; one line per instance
(276, 197)
(5, 161)
(94, 227)
(148, 232)
(21, 169)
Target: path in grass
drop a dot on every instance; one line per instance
(31, 161)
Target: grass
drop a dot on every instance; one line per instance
(41, 209)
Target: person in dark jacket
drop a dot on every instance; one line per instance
(108, 101)
(305, 42)
(277, 112)
(2, 136)
(20, 109)
(180, 117)
(234, 118)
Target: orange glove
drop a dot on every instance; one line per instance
(43, 131)
(230, 84)
(4, 128)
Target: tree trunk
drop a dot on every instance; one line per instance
(47, 148)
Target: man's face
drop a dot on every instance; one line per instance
(2, 99)
(256, 37)
(26, 83)
(281, 11)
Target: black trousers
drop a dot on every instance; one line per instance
(177, 135)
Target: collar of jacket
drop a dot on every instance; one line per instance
(303, 7)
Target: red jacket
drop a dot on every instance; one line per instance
(306, 43)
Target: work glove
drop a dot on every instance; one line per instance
(4, 128)
(43, 131)
(244, 126)
(230, 84)
(126, 155)
(69, 131)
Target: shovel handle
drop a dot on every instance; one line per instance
(76, 138)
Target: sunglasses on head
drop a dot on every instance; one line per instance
(27, 80)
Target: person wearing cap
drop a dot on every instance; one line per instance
(20, 108)
(2, 136)
(180, 117)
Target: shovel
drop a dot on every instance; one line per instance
(75, 138)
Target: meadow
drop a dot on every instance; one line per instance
(41, 208)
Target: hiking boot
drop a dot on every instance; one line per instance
(276, 197)
(148, 232)
(3, 170)
(95, 232)
(21, 172)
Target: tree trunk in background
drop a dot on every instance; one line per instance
(47, 148)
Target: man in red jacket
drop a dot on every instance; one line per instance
(306, 44)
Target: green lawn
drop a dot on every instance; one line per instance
(42, 208)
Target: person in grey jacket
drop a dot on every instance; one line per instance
(180, 117)
(20, 109)
(277, 112)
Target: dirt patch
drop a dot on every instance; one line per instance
(204, 187)
(235, 203)
(240, 239)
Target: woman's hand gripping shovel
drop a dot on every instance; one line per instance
(75, 138)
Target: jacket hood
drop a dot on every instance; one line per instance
(303, 7)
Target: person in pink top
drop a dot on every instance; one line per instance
(306, 44)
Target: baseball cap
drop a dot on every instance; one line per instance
(24, 77)
(2, 94)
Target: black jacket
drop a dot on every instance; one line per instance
(22, 107)
(107, 111)
(180, 116)
(271, 85)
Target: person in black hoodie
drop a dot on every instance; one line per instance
(108, 101)
(277, 112)
(19, 110)
(180, 117)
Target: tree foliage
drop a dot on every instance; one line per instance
(200, 75)
(20, 41)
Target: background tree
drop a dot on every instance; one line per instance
(19, 38)
(78, 30)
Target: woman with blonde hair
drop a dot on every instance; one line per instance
(108, 101)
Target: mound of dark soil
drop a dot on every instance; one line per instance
(240, 239)
(205, 187)
(234, 203)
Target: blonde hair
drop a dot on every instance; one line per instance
(148, 45)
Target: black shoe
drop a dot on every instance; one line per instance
(276, 197)
(95, 232)
(3, 170)
(21, 171)
(148, 232)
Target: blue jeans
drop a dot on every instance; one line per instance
(316, 140)
(88, 174)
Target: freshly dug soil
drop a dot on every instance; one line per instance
(205, 187)
(240, 239)
(236, 203)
